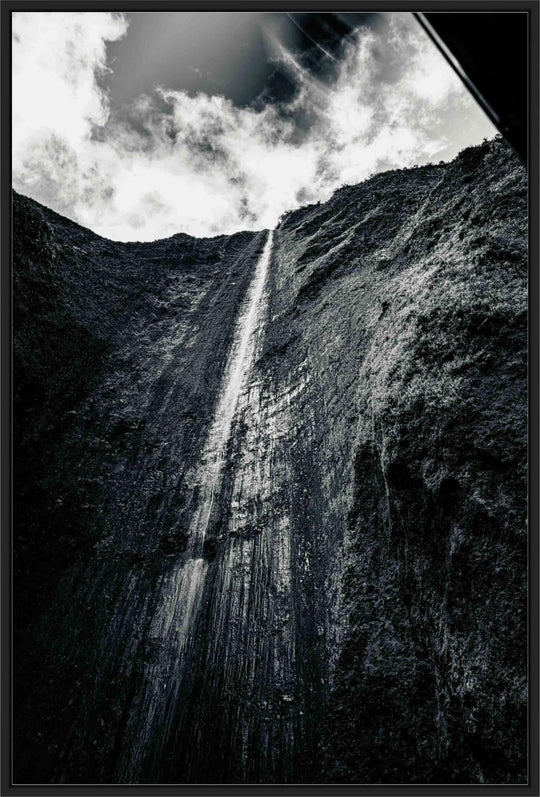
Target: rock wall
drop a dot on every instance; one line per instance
(118, 355)
(362, 616)
(408, 300)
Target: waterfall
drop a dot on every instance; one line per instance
(182, 588)
(209, 473)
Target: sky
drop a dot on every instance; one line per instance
(142, 125)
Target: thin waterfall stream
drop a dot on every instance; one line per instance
(209, 472)
(182, 588)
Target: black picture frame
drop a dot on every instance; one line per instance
(531, 8)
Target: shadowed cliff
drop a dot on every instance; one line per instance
(363, 614)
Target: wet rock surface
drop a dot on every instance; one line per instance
(357, 609)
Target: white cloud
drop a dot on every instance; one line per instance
(208, 167)
(56, 101)
(55, 56)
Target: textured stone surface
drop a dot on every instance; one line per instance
(361, 615)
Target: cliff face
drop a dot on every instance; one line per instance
(332, 588)
(414, 327)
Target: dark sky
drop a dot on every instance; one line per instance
(225, 53)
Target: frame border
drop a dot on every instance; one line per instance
(532, 8)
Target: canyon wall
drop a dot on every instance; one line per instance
(356, 609)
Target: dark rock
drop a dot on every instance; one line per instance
(210, 549)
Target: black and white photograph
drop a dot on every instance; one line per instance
(270, 285)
